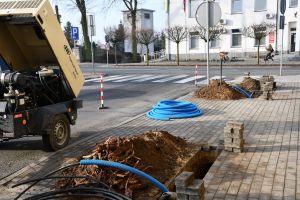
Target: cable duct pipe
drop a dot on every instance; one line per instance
(110, 164)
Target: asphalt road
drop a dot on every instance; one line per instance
(131, 91)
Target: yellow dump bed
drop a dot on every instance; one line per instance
(30, 37)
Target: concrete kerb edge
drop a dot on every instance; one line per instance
(9, 178)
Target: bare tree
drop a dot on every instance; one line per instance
(116, 37)
(131, 6)
(258, 32)
(214, 32)
(176, 34)
(81, 5)
(146, 37)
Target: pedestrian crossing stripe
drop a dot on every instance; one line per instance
(177, 79)
(212, 78)
(170, 79)
(186, 80)
(131, 79)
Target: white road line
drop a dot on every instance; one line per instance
(186, 80)
(132, 78)
(115, 78)
(212, 78)
(149, 78)
(217, 77)
(170, 79)
(91, 80)
(105, 78)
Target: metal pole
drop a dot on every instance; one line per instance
(276, 30)
(281, 53)
(107, 56)
(196, 75)
(92, 51)
(169, 42)
(186, 39)
(207, 38)
(221, 71)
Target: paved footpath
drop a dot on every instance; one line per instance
(268, 169)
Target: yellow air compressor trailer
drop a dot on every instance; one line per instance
(40, 78)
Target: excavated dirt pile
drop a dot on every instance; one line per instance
(157, 153)
(251, 84)
(217, 91)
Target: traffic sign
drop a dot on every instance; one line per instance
(282, 6)
(215, 14)
(281, 22)
(107, 38)
(92, 25)
(107, 46)
(75, 33)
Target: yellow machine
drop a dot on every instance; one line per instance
(39, 76)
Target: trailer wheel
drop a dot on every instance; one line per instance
(59, 135)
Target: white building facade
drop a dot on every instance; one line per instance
(236, 14)
(144, 21)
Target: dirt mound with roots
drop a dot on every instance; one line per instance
(250, 84)
(217, 91)
(157, 153)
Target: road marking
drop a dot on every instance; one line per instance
(105, 78)
(189, 79)
(212, 78)
(149, 78)
(132, 78)
(170, 79)
(118, 77)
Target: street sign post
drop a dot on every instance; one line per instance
(208, 14)
(281, 26)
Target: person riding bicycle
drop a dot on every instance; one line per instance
(270, 50)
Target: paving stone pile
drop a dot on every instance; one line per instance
(233, 136)
(189, 188)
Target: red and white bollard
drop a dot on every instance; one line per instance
(101, 92)
(196, 75)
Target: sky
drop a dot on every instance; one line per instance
(109, 17)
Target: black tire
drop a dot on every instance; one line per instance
(59, 135)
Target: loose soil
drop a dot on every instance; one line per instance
(251, 84)
(157, 153)
(217, 91)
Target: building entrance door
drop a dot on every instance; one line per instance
(293, 40)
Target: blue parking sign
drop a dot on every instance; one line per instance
(75, 33)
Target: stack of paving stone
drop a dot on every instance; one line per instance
(265, 79)
(189, 188)
(267, 89)
(233, 137)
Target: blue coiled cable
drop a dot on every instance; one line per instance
(110, 164)
(173, 109)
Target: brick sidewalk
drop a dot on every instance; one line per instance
(266, 170)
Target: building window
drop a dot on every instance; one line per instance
(193, 5)
(236, 6)
(260, 5)
(262, 41)
(215, 43)
(194, 40)
(236, 38)
(293, 3)
(147, 16)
